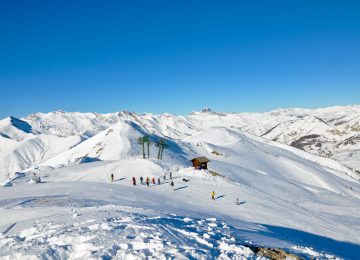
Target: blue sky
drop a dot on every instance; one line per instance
(177, 56)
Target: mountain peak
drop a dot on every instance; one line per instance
(207, 110)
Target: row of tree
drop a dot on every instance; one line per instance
(146, 141)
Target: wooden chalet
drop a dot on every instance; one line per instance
(200, 163)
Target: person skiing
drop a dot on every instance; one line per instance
(159, 181)
(237, 201)
(134, 181)
(112, 177)
(153, 180)
(141, 179)
(172, 183)
(213, 195)
(170, 175)
(147, 181)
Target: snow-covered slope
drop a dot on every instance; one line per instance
(29, 153)
(332, 132)
(64, 124)
(15, 129)
(325, 132)
(114, 143)
(6, 144)
(289, 198)
(286, 201)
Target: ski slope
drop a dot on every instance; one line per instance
(302, 203)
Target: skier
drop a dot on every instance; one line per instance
(147, 181)
(237, 201)
(159, 181)
(172, 183)
(213, 195)
(170, 175)
(153, 180)
(112, 177)
(134, 181)
(141, 179)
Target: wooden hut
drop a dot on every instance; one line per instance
(200, 163)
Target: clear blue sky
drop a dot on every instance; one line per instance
(177, 56)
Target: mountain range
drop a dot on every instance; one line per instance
(65, 137)
(286, 184)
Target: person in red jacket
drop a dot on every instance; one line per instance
(134, 181)
(153, 180)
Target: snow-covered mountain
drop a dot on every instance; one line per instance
(329, 132)
(290, 198)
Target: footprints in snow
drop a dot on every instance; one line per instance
(125, 234)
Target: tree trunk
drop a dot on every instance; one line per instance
(143, 147)
(159, 152)
(162, 150)
(148, 146)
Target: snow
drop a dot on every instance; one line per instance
(114, 143)
(6, 144)
(33, 151)
(336, 127)
(290, 199)
(15, 129)
(141, 221)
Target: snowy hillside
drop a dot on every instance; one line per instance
(329, 132)
(15, 129)
(29, 153)
(289, 199)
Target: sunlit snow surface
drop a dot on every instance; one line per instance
(305, 204)
(70, 215)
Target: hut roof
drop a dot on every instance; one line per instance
(201, 159)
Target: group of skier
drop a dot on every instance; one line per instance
(147, 180)
(153, 181)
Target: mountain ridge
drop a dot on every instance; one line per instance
(331, 132)
(279, 185)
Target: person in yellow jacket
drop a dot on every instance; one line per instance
(213, 195)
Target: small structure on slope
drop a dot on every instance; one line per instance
(200, 163)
